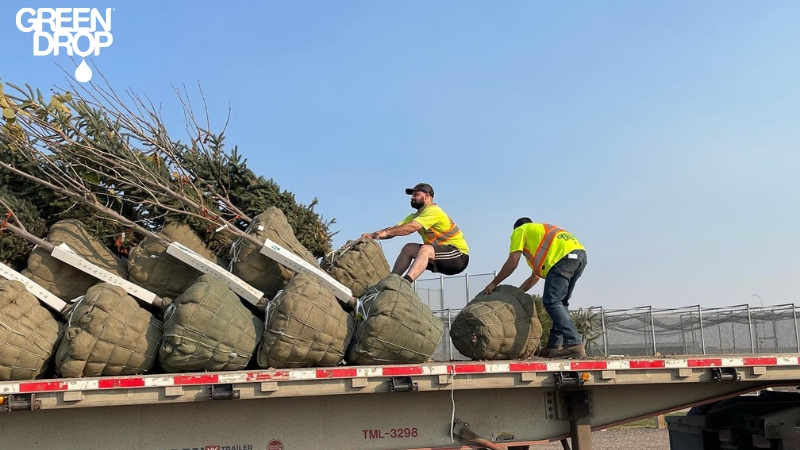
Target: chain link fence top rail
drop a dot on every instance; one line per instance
(643, 331)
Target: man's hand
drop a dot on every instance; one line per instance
(368, 235)
(489, 288)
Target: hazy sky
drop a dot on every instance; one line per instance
(662, 134)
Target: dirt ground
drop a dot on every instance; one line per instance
(622, 439)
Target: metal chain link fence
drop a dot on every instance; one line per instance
(644, 331)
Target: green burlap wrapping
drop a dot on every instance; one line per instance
(28, 333)
(256, 269)
(61, 279)
(358, 265)
(108, 333)
(150, 267)
(208, 328)
(394, 326)
(305, 327)
(500, 325)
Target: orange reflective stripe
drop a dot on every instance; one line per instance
(550, 232)
(444, 237)
(436, 239)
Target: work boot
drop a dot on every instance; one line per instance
(545, 352)
(568, 352)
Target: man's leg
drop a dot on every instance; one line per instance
(424, 255)
(403, 261)
(575, 276)
(557, 287)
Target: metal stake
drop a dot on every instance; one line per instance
(796, 334)
(750, 324)
(702, 331)
(605, 335)
(653, 331)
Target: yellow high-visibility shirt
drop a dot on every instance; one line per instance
(438, 228)
(528, 237)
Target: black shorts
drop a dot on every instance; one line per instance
(448, 260)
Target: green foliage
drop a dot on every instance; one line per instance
(587, 322)
(229, 177)
(209, 175)
(13, 249)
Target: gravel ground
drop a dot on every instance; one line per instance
(622, 439)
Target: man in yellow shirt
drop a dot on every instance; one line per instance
(443, 250)
(555, 255)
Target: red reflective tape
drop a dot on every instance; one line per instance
(43, 386)
(654, 364)
(267, 376)
(704, 362)
(467, 368)
(396, 371)
(588, 365)
(337, 373)
(104, 383)
(760, 361)
(195, 379)
(526, 367)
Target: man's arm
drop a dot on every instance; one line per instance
(397, 230)
(529, 283)
(508, 268)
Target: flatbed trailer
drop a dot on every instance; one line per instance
(442, 405)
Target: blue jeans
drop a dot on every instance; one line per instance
(558, 287)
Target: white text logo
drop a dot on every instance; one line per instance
(79, 31)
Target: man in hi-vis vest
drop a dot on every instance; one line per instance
(443, 250)
(555, 255)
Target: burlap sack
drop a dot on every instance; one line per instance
(150, 267)
(108, 333)
(28, 333)
(393, 326)
(208, 328)
(305, 327)
(256, 269)
(500, 325)
(358, 265)
(61, 279)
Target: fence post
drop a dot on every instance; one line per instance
(750, 324)
(702, 331)
(653, 330)
(466, 285)
(449, 339)
(796, 334)
(605, 333)
(441, 291)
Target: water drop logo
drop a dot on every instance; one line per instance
(83, 73)
(79, 31)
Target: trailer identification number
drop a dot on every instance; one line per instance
(394, 433)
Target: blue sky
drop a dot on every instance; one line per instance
(662, 134)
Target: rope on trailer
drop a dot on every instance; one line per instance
(75, 303)
(452, 399)
(362, 307)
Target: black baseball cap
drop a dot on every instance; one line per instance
(424, 187)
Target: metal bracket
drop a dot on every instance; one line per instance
(22, 402)
(556, 403)
(461, 430)
(402, 384)
(567, 379)
(223, 392)
(724, 374)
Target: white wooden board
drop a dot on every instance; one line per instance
(298, 264)
(55, 303)
(236, 284)
(65, 254)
